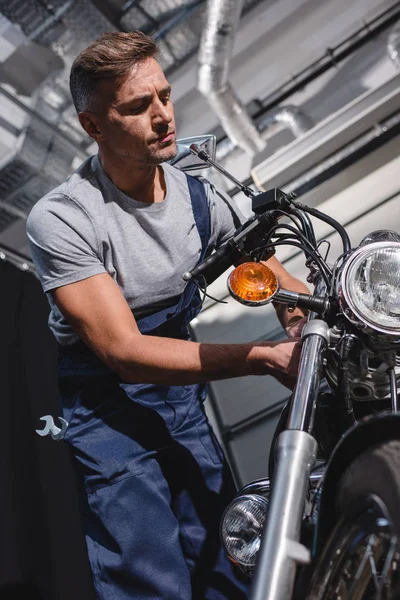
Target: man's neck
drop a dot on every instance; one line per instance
(144, 183)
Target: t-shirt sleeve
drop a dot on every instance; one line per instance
(63, 242)
(225, 216)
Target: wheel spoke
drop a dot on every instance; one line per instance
(362, 561)
(360, 576)
(374, 570)
(389, 563)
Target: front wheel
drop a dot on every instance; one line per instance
(361, 560)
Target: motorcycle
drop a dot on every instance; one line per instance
(326, 523)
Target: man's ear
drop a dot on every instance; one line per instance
(91, 125)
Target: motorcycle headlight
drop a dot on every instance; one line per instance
(241, 528)
(371, 286)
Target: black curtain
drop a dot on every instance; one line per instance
(42, 548)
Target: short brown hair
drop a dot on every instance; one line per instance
(111, 56)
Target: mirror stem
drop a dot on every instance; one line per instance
(204, 156)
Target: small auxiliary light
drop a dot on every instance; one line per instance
(253, 284)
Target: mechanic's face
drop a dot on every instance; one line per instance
(137, 122)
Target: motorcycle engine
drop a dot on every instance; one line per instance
(367, 372)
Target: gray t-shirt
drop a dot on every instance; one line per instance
(87, 226)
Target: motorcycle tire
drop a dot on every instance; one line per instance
(361, 559)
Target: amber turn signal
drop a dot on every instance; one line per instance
(253, 283)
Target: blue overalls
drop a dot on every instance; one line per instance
(154, 478)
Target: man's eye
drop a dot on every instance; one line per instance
(165, 100)
(137, 109)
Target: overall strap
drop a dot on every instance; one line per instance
(175, 318)
(201, 212)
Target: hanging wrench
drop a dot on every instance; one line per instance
(52, 429)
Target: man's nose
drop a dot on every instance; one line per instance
(162, 113)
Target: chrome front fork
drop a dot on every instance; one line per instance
(296, 454)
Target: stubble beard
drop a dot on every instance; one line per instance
(162, 155)
(153, 158)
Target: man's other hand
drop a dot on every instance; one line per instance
(294, 329)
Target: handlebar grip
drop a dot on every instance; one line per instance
(318, 304)
(213, 266)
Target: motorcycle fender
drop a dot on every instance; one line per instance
(365, 434)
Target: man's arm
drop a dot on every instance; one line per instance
(98, 312)
(287, 282)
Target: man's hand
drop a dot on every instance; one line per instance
(281, 361)
(286, 355)
(286, 282)
(295, 327)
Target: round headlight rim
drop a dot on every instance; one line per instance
(358, 255)
(259, 499)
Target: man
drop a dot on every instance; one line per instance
(110, 245)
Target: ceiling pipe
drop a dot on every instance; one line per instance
(331, 58)
(221, 23)
(393, 46)
(284, 117)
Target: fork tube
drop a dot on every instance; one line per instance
(301, 416)
(296, 454)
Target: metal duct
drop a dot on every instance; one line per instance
(222, 19)
(283, 117)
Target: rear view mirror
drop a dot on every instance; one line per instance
(186, 160)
